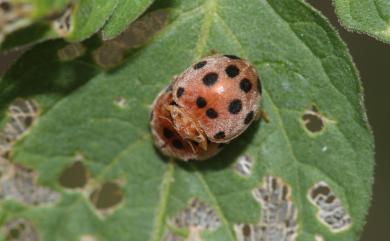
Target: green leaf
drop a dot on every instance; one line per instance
(25, 22)
(310, 167)
(43, 8)
(89, 16)
(371, 17)
(86, 18)
(77, 22)
(33, 34)
(126, 12)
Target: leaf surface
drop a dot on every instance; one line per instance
(102, 120)
(368, 16)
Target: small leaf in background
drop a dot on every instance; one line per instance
(371, 17)
(126, 12)
(30, 23)
(23, 20)
(111, 53)
(313, 160)
(89, 16)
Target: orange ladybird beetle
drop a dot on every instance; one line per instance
(212, 101)
(166, 137)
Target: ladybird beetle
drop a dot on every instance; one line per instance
(167, 138)
(215, 99)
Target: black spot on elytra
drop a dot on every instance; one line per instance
(230, 56)
(248, 118)
(235, 106)
(232, 71)
(211, 113)
(219, 135)
(167, 133)
(200, 64)
(210, 79)
(245, 85)
(177, 144)
(179, 92)
(201, 102)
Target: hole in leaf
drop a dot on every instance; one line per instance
(140, 31)
(71, 51)
(313, 121)
(112, 52)
(243, 165)
(318, 237)
(19, 183)
(320, 190)
(22, 114)
(172, 237)
(74, 176)
(88, 237)
(246, 230)
(20, 230)
(330, 209)
(62, 25)
(109, 55)
(121, 102)
(278, 217)
(197, 216)
(107, 196)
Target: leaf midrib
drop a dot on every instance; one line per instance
(157, 231)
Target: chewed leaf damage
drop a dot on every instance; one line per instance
(88, 237)
(140, 31)
(107, 197)
(108, 55)
(278, 220)
(314, 121)
(20, 184)
(74, 176)
(20, 230)
(330, 209)
(112, 52)
(22, 114)
(244, 165)
(17, 182)
(318, 237)
(71, 51)
(63, 24)
(196, 217)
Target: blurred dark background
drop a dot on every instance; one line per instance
(373, 61)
